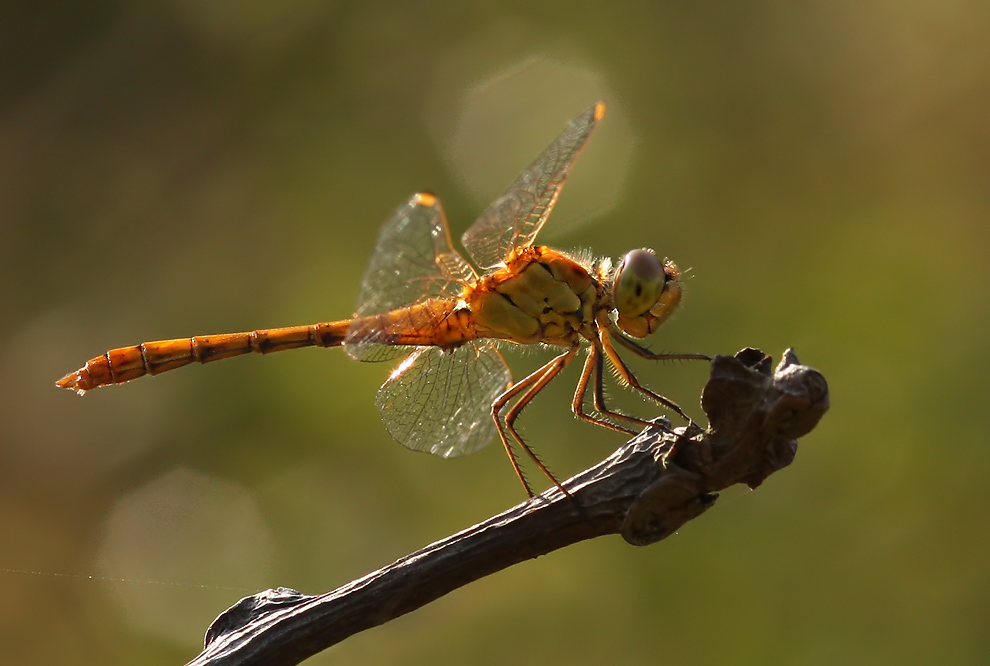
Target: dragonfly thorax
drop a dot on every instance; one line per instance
(540, 295)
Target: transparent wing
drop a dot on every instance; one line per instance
(440, 401)
(413, 261)
(515, 218)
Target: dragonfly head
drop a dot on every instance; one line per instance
(645, 292)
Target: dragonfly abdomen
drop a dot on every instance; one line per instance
(433, 323)
(152, 358)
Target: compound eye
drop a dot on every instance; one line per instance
(639, 282)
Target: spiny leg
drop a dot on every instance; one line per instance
(532, 384)
(651, 355)
(548, 372)
(497, 405)
(593, 365)
(642, 351)
(599, 394)
(523, 385)
(626, 374)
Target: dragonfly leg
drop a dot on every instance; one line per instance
(529, 386)
(497, 406)
(642, 351)
(593, 366)
(629, 378)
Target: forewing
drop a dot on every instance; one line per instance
(440, 401)
(413, 261)
(516, 217)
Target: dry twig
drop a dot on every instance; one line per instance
(644, 491)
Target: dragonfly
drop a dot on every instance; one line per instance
(453, 391)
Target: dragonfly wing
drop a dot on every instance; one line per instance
(413, 261)
(516, 217)
(439, 401)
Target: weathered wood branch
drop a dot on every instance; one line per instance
(644, 491)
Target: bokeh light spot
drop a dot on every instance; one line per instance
(178, 539)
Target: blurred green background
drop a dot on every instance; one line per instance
(203, 166)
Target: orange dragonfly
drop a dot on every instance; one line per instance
(420, 298)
